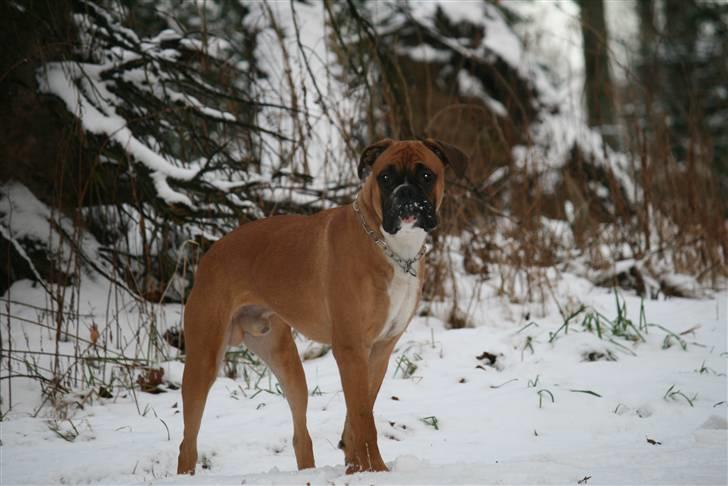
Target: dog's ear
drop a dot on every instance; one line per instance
(449, 154)
(370, 155)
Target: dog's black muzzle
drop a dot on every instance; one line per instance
(408, 203)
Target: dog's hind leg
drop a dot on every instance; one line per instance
(278, 350)
(205, 341)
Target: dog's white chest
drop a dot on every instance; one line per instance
(403, 293)
(404, 288)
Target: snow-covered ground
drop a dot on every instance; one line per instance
(533, 416)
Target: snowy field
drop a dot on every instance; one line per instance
(496, 403)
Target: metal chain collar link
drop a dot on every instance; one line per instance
(406, 264)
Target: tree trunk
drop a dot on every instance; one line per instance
(649, 67)
(598, 83)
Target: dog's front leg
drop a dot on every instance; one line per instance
(362, 452)
(378, 361)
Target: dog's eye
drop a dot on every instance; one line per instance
(428, 176)
(385, 178)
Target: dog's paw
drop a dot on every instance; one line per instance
(374, 467)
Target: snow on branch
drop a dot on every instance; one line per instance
(277, 129)
(149, 97)
(97, 114)
(472, 43)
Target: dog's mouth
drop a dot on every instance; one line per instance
(409, 215)
(408, 220)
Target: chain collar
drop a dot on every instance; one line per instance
(406, 264)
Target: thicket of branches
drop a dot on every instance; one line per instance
(161, 125)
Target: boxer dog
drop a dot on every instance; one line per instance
(350, 277)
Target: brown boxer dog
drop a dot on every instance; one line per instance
(349, 277)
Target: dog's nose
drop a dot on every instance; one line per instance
(405, 191)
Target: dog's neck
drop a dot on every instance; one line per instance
(406, 242)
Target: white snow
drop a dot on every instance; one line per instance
(495, 424)
(471, 86)
(425, 53)
(28, 223)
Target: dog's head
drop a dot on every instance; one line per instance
(406, 180)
